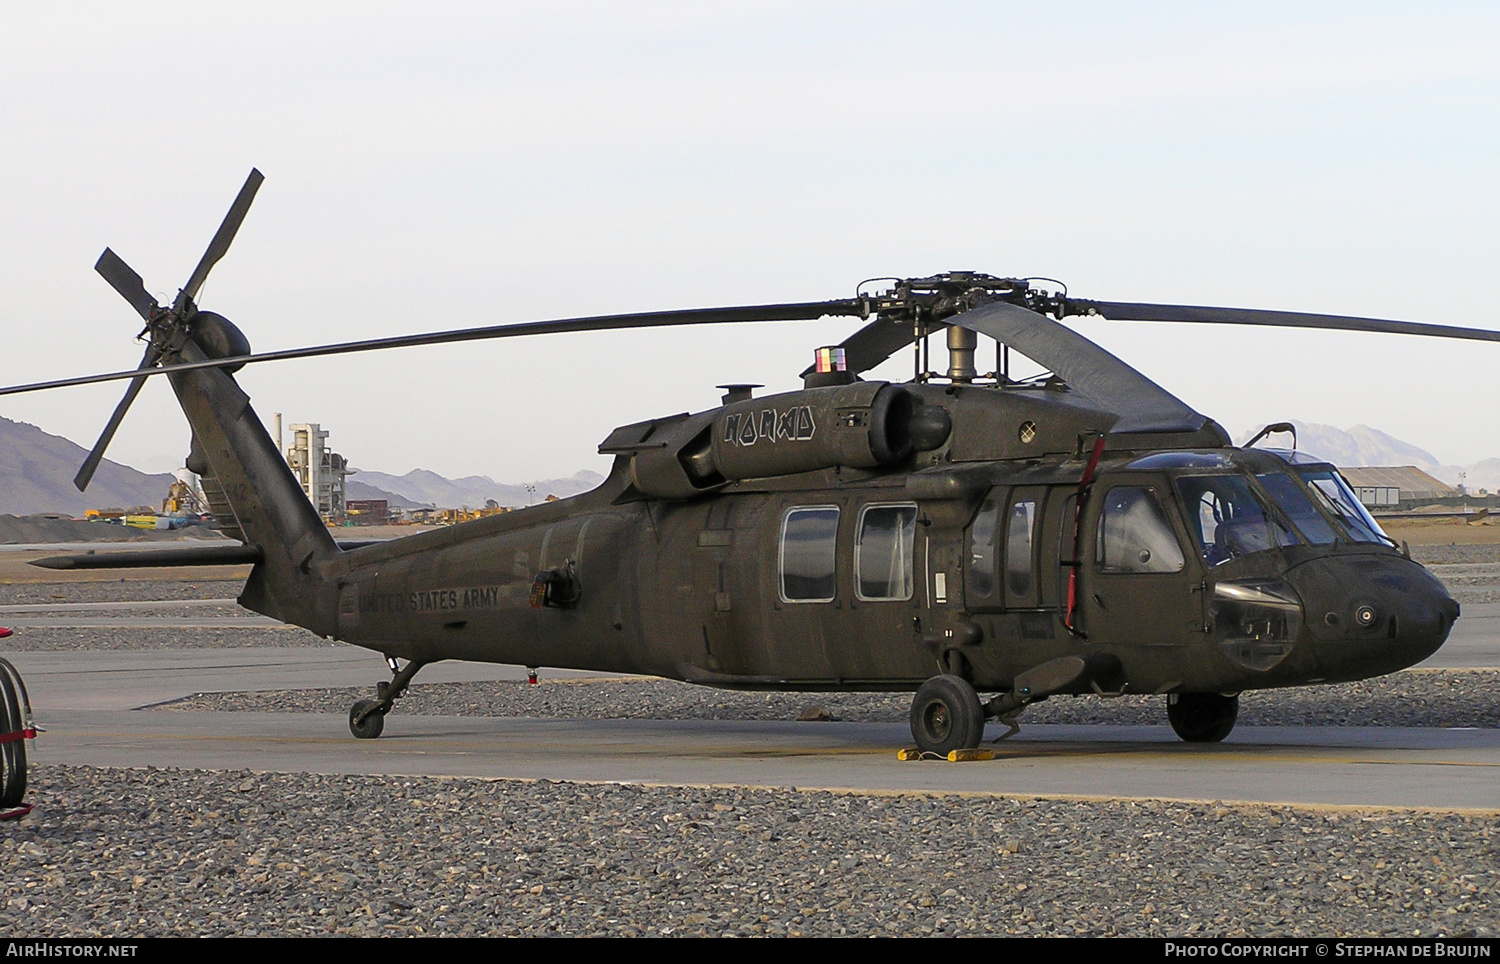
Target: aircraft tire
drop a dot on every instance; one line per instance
(12, 754)
(368, 728)
(1202, 717)
(946, 715)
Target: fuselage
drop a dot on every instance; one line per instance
(1214, 571)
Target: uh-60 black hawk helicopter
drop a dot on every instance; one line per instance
(1086, 533)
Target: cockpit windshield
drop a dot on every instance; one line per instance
(1333, 492)
(1294, 501)
(1228, 520)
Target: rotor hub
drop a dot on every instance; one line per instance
(933, 299)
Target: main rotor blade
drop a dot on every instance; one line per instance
(1087, 368)
(877, 341)
(96, 455)
(802, 311)
(222, 239)
(1111, 384)
(1127, 311)
(122, 278)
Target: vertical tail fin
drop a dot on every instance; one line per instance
(256, 498)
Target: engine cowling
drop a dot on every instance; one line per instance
(859, 426)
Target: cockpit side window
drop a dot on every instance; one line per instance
(1227, 520)
(1134, 534)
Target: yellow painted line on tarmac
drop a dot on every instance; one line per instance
(1429, 763)
(1247, 754)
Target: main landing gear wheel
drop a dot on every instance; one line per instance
(1202, 717)
(373, 723)
(946, 715)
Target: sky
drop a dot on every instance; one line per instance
(475, 164)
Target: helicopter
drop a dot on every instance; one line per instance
(958, 534)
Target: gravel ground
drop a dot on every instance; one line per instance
(1471, 573)
(1470, 582)
(198, 610)
(1442, 555)
(39, 638)
(171, 852)
(1412, 698)
(41, 593)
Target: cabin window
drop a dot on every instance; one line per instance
(1019, 532)
(1134, 534)
(883, 552)
(809, 539)
(982, 549)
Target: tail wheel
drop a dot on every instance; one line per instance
(371, 725)
(1202, 717)
(946, 715)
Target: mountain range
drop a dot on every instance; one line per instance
(1363, 445)
(37, 469)
(420, 487)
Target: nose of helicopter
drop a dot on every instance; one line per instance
(1372, 614)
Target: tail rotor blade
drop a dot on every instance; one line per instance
(96, 455)
(225, 236)
(124, 280)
